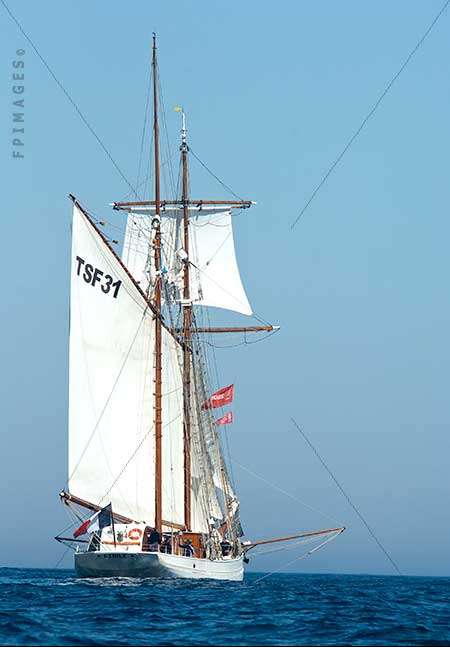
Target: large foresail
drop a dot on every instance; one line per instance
(215, 279)
(110, 380)
(111, 390)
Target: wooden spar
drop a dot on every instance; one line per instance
(93, 507)
(157, 304)
(237, 204)
(268, 328)
(303, 535)
(187, 324)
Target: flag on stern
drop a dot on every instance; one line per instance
(220, 398)
(227, 419)
(99, 520)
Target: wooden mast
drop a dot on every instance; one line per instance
(157, 305)
(187, 325)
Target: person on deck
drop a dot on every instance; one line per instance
(226, 548)
(188, 549)
(151, 540)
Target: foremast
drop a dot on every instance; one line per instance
(157, 304)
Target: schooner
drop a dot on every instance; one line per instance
(145, 453)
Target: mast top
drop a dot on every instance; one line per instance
(184, 146)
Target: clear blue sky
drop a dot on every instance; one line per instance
(360, 287)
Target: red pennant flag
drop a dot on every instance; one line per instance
(220, 398)
(227, 419)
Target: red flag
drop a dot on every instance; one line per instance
(227, 419)
(220, 398)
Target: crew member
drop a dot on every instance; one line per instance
(151, 540)
(188, 549)
(225, 547)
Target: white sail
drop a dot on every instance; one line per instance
(214, 278)
(111, 401)
(110, 382)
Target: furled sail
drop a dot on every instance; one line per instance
(111, 403)
(206, 507)
(216, 483)
(214, 278)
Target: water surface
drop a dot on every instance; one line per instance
(52, 607)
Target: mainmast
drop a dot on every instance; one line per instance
(187, 325)
(157, 304)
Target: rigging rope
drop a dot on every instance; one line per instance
(370, 113)
(144, 130)
(225, 186)
(347, 498)
(288, 494)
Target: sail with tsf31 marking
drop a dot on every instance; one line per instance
(110, 375)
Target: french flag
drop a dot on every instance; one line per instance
(99, 520)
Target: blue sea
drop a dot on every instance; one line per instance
(52, 607)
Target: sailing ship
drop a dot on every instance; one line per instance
(145, 447)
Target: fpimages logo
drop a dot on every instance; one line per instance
(18, 114)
